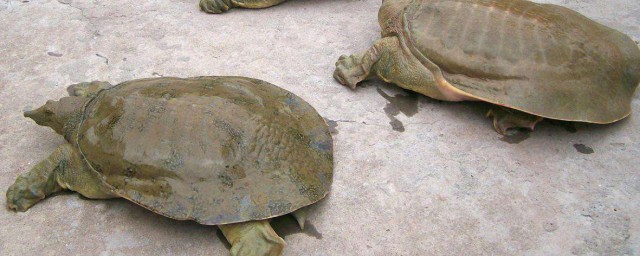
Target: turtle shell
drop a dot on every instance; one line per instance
(216, 150)
(542, 59)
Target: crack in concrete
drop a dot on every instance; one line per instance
(329, 121)
(106, 60)
(419, 123)
(344, 121)
(378, 125)
(356, 122)
(84, 16)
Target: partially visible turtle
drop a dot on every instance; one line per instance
(226, 151)
(531, 60)
(220, 6)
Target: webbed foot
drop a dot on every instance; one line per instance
(253, 238)
(87, 89)
(505, 119)
(216, 6)
(349, 71)
(29, 190)
(20, 197)
(42, 180)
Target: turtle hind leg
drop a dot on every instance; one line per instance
(350, 70)
(87, 89)
(253, 238)
(505, 119)
(301, 216)
(220, 6)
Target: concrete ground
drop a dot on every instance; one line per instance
(413, 176)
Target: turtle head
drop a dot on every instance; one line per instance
(60, 115)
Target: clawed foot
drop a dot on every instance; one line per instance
(349, 71)
(215, 6)
(301, 216)
(89, 89)
(505, 119)
(21, 196)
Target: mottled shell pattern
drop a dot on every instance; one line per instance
(542, 59)
(216, 150)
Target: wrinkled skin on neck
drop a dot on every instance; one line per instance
(62, 116)
(389, 16)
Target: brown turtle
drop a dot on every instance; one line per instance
(220, 6)
(532, 61)
(226, 151)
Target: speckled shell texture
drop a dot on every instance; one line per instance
(539, 58)
(216, 150)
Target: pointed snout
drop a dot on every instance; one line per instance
(29, 113)
(41, 115)
(56, 114)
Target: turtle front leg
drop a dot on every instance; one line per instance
(63, 169)
(253, 238)
(505, 119)
(40, 182)
(216, 6)
(350, 70)
(220, 6)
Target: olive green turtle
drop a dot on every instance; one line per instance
(532, 61)
(220, 6)
(227, 151)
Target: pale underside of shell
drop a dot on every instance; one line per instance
(216, 150)
(542, 59)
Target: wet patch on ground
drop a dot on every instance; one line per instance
(407, 104)
(516, 136)
(583, 149)
(332, 125)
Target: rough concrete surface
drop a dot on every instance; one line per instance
(413, 176)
